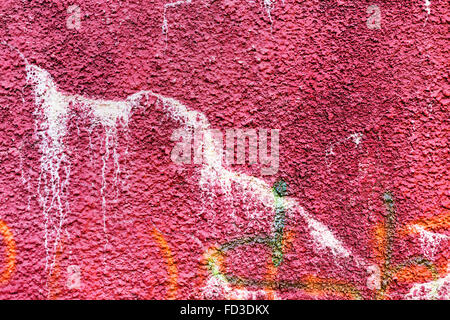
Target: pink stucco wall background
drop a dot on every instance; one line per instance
(362, 114)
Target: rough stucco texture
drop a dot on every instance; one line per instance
(94, 207)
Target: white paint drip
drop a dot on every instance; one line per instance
(165, 27)
(437, 289)
(430, 241)
(268, 6)
(109, 114)
(53, 113)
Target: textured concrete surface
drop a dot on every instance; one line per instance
(94, 207)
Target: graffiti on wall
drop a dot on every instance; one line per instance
(277, 152)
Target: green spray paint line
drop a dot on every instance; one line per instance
(324, 285)
(390, 234)
(389, 270)
(279, 191)
(275, 242)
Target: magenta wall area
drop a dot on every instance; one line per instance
(113, 183)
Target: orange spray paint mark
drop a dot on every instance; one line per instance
(320, 286)
(271, 276)
(10, 244)
(171, 266)
(272, 271)
(433, 224)
(54, 289)
(288, 240)
(413, 274)
(379, 243)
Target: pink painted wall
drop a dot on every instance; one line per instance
(93, 207)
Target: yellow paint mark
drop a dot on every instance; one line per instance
(8, 239)
(203, 268)
(171, 266)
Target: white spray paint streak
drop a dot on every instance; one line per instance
(52, 114)
(214, 174)
(430, 241)
(322, 235)
(54, 106)
(268, 6)
(52, 111)
(325, 239)
(165, 26)
(437, 289)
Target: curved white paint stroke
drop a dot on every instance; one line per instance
(430, 241)
(53, 109)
